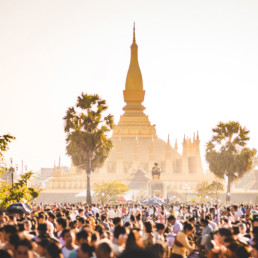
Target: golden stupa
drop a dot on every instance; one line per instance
(136, 148)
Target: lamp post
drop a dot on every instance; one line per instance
(11, 170)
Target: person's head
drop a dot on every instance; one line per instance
(61, 224)
(104, 249)
(53, 251)
(67, 236)
(133, 240)
(160, 228)
(9, 230)
(117, 221)
(139, 217)
(81, 212)
(235, 207)
(83, 236)
(204, 223)
(81, 221)
(42, 228)
(120, 234)
(192, 220)
(23, 249)
(223, 233)
(171, 219)
(158, 250)
(42, 218)
(84, 251)
(51, 217)
(42, 246)
(148, 226)
(4, 254)
(188, 228)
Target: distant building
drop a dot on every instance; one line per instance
(136, 147)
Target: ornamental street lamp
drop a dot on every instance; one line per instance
(11, 170)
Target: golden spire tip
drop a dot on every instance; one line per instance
(134, 32)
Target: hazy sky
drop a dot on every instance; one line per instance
(199, 62)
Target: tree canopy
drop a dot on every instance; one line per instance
(227, 153)
(87, 128)
(4, 141)
(18, 191)
(206, 191)
(106, 190)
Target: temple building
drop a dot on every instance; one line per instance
(136, 147)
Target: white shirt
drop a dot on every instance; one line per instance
(111, 213)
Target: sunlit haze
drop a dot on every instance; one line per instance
(199, 63)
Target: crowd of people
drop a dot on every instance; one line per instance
(130, 230)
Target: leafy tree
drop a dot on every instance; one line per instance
(227, 153)
(212, 190)
(106, 190)
(4, 141)
(201, 190)
(18, 192)
(87, 131)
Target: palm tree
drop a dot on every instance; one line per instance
(87, 131)
(227, 153)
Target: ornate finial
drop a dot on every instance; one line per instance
(194, 137)
(197, 137)
(168, 140)
(176, 148)
(134, 32)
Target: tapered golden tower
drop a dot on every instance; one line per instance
(134, 122)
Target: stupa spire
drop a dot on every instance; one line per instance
(134, 33)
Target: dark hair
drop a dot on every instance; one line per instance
(127, 224)
(160, 226)
(171, 217)
(23, 242)
(225, 232)
(4, 254)
(44, 242)
(51, 215)
(131, 243)
(158, 249)
(188, 226)
(83, 234)
(64, 232)
(148, 227)
(139, 216)
(104, 247)
(21, 227)
(116, 220)
(13, 239)
(132, 218)
(119, 230)
(53, 250)
(81, 219)
(86, 248)
(236, 230)
(10, 229)
(72, 224)
(138, 253)
(191, 219)
(205, 221)
(62, 222)
(42, 227)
